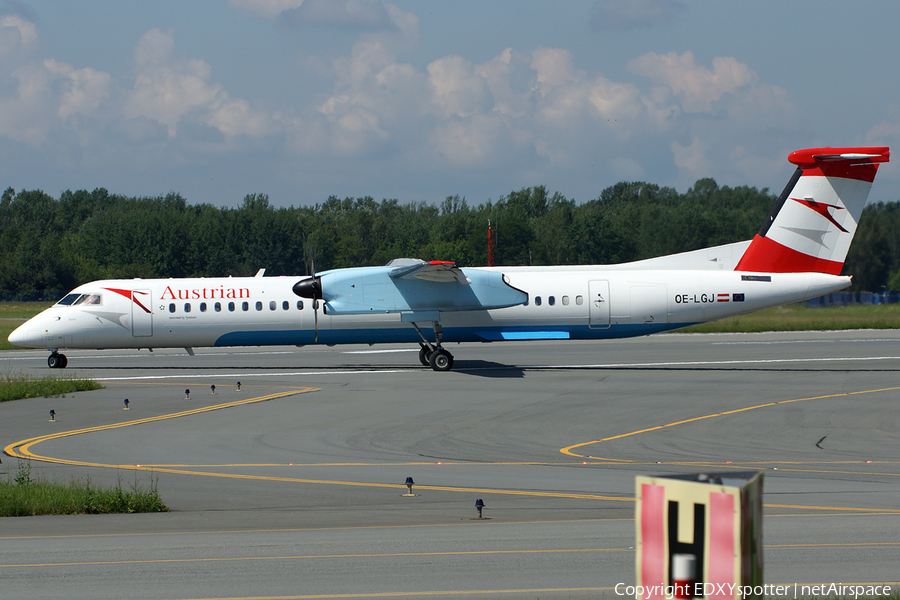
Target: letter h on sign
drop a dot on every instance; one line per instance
(715, 518)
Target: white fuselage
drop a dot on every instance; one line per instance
(585, 302)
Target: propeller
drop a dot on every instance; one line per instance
(311, 288)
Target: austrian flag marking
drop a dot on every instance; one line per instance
(723, 297)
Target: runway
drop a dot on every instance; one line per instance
(293, 486)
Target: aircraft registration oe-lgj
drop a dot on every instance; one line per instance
(797, 254)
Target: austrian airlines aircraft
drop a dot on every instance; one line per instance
(797, 254)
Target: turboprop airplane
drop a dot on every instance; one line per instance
(797, 254)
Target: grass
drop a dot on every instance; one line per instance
(23, 496)
(16, 386)
(799, 317)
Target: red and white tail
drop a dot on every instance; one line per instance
(813, 222)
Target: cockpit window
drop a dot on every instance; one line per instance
(89, 299)
(69, 299)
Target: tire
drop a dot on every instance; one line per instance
(424, 355)
(63, 361)
(53, 361)
(441, 360)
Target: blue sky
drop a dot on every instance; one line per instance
(302, 99)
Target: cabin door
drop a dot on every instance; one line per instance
(598, 304)
(141, 313)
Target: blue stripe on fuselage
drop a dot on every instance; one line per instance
(451, 334)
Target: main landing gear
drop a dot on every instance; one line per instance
(57, 360)
(434, 355)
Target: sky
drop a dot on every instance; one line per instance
(417, 101)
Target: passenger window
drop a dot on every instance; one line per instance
(259, 306)
(272, 305)
(551, 300)
(565, 300)
(537, 300)
(218, 306)
(187, 307)
(579, 300)
(203, 307)
(172, 307)
(285, 305)
(245, 306)
(299, 304)
(231, 306)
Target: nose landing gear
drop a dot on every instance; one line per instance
(57, 360)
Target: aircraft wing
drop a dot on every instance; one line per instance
(410, 286)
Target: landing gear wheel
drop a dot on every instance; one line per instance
(57, 361)
(425, 354)
(441, 360)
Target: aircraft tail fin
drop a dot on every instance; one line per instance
(814, 219)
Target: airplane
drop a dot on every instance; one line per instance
(797, 254)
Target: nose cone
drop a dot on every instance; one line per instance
(17, 337)
(309, 288)
(27, 335)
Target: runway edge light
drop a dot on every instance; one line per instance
(716, 518)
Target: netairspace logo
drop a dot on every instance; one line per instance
(733, 590)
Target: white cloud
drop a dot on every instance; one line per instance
(85, 88)
(478, 141)
(25, 115)
(22, 32)
(165, 90)
(696, 86)
(457, 89)
(509, 80)
(540, 111)
(169, 89)
(553, 68)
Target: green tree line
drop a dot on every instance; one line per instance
(49, 243)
